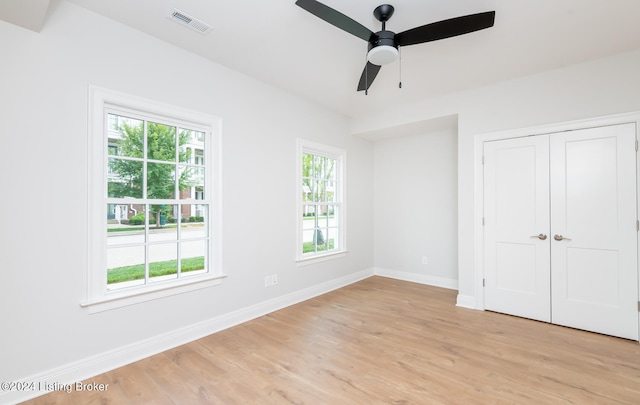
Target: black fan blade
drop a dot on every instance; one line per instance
(336, 18)
(446, 28)
(368, 74)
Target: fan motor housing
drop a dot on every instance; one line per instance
(383, 38)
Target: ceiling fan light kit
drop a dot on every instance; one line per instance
(382, 54)
(383, 48)
(383, 45)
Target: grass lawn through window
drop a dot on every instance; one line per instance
(308, 246)
(136, 272)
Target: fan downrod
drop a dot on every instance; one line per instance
(383, 12)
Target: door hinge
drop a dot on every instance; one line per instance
(638, 306)
(636, 145)
(483, 286)
(637, 226)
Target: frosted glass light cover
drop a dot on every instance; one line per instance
(382, 55)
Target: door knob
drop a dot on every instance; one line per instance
(560, 237)
(541, 236)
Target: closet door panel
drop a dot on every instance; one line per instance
(594, 283)
(516, 216)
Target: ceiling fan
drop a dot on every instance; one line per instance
(383, 45)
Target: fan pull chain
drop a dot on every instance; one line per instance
(400, 66)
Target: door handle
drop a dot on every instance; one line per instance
(560, 237)
(541, 236)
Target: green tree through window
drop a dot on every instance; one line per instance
(162, 145)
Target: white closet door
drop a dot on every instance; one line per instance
(594, 282)
(516, 211)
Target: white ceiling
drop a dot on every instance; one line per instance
(30, 14)
(279, 43)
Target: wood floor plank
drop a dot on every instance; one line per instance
(381, 341)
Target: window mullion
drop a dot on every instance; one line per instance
(144, 160)
(176, 196)
(147, 217)
(147, 207)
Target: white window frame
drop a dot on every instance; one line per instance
(98, 297)
(340, 155)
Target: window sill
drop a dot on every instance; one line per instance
(304, 261)
(118, 299)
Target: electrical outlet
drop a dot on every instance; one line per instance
(425, 260)
(271, 280)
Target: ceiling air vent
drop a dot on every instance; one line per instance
(191, 22)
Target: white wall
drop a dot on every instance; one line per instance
(44, 79)
(592, 89)
(43, 175)
(415, 207)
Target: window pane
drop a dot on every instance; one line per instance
(330, 169)
(125, 136)
(319, 239)
(309, 217)
(306, 190)
(125, 235)
(331, 191)
(191, 144)
(161, 142)
(185, 154)
(307, 165)
(125, 267)
(332, 241)
(334, 214)
(322, 191)
(318, 167)
(162, 225)
(123, 228)
(191, 182)
(117, 213)
(124, 178)
(163, 262)
(316, 191)
(195, 224)
(198, 157)
(193, 257)
(307, 241)
(323, 216)
(161, 182)
(113, 122)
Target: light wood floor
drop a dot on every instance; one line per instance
(381, 341)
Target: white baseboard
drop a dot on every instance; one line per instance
(103, 362)
(466, 301)
(449, 283)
